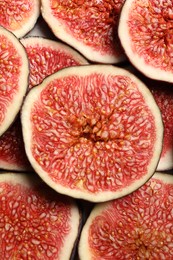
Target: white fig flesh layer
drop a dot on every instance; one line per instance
(145, 32)
(36, 222)
(13, 77)
(92, 132)
(137, 226)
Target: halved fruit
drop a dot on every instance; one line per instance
(14, 73)
(19, 16)
(163, 94)
(145, 32)
(92, 132)
(48, 56)
(137, 226)
(45, 57)
(88, 26)
(35, 222)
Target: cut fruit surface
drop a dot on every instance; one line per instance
(12, 152)
(13, 77)
(145, 31)
(163, 95)
(19, 16)
(137, 226)
(88, 26)
(92, 132)
(45, 57)
(35, 222)
(48, 56)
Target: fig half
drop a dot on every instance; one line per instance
(145, 31)
(45, 57)
(92, 132)
(19, 16)
(14, 71)
(35, 221)
(88, 26)
(48, 56)
(137, 226)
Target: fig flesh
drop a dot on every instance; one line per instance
(145, 32)
(88, 26)
(13, 77)
(12, 151)
(92, 132)
(35, 222)
(45, 57)
(48, 56)
(163, 95)
(19, 16)
(137, 226)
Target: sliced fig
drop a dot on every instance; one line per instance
(12, 151)
(92, 132)
(48, 56)
(145, 32)
(163, 95)
(45, 57)
(137, 226)
(13, 77)
(88, 26)
(35, 222)
(19, 16)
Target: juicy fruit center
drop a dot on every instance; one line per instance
(10, 63)
(151, 26)
(92, 22)
(32, 226)
(15, 13)
(92, 133)
(138, 226)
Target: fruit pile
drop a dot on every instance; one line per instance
(86, 132)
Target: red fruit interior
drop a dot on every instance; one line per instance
(9, 74)
(93, 23)
(12, 151)
(32, 225)
(15, 13)
(164, 98)
(44, 61)
(92, 132)
(138, 226)
(150, 27)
